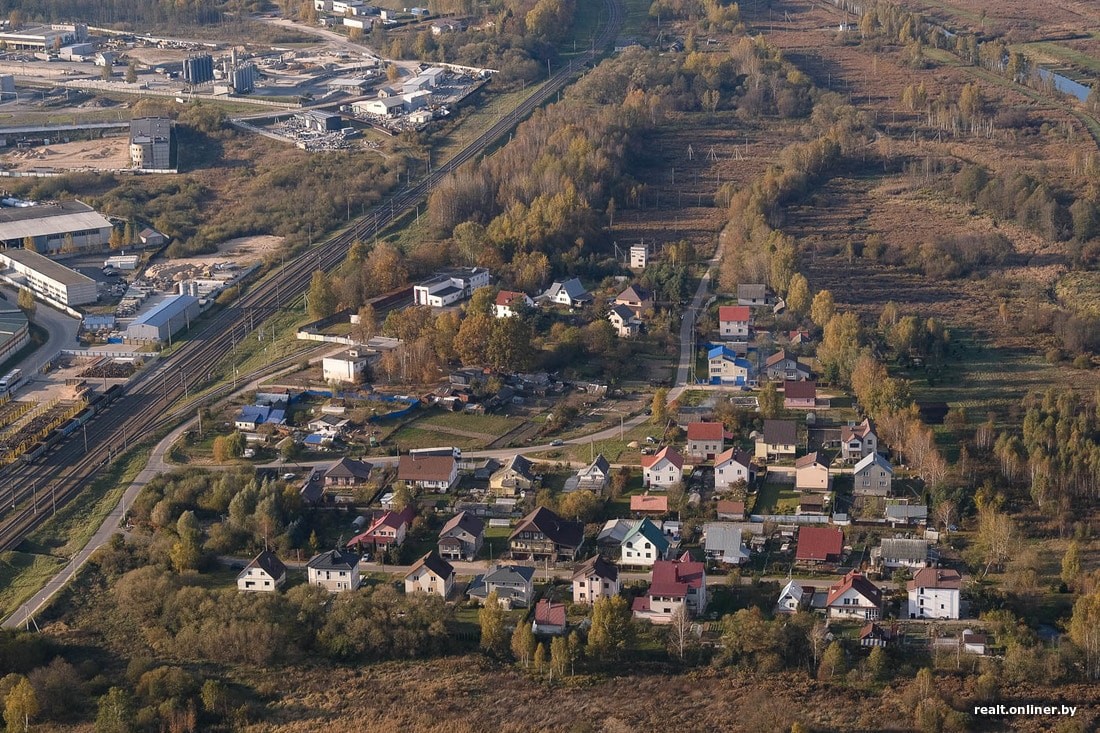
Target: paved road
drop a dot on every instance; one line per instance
(332, 37)
(61, 327)
(687, 327)
(101, 537)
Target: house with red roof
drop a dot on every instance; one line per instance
(705, 440)
(729, 509)
(734, 321)
(388, 529)
(549, 618)
(799, 394)
(649, 504)
(819, 544)
(663, 469)
(673, 585)
(854, 598)
(510, 302)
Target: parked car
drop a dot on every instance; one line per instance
(557, 443)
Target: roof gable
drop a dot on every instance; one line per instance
(598, 567)
(780, 432)
(706, 431)
(269, 563)
(463, 522)
(873, 459)
(557, 530)
(668, 452)
(855, 581)
(819, 543)
(434, 563)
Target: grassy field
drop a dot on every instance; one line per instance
(406, 438)
(491, 424)
(48, 548)
(1052, 52)
(776, 498)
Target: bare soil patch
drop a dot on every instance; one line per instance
(109, 153)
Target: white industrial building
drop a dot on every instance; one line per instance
(53, 226)
(346, 367)
(450, 286)
(383, 107)
(46, 278)
(416, 100)
(164, 319)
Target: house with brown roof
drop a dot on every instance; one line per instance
(854, 598)
(673, 585)
(663, 469)
(779, 439)
(549, 618)
(543, 535)
(858, 441)
(811, 473)
(872, 635)
(461, 537)
(346, 473)
(934, 593)
(812, 504)
(594, 579)
(387, 530)
(264, 574)
(783, 366)
(819, 545)
(734, 321)
(649, 504)
(510, 303)
(430, 574)
(733, 466)
(705, 440)
(799, 395)
(728, 509)
(435, 473)
(637, 299)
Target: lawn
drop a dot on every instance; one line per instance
(21, 575)
(490, 424)
(496, 542)
(776, 498)
(407, 438)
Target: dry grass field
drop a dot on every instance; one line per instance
(469, 695)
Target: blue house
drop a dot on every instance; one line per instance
(726, 367)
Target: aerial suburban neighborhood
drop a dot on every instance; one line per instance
(550, 365)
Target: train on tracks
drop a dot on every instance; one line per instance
(96, 405)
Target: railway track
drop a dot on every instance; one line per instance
(147, 405)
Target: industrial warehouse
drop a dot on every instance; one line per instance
(164, 319)
(52, 228)
(47, 279)
(14, 332)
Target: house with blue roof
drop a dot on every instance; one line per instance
(644, 544)
(726, 367)
(253, 416)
